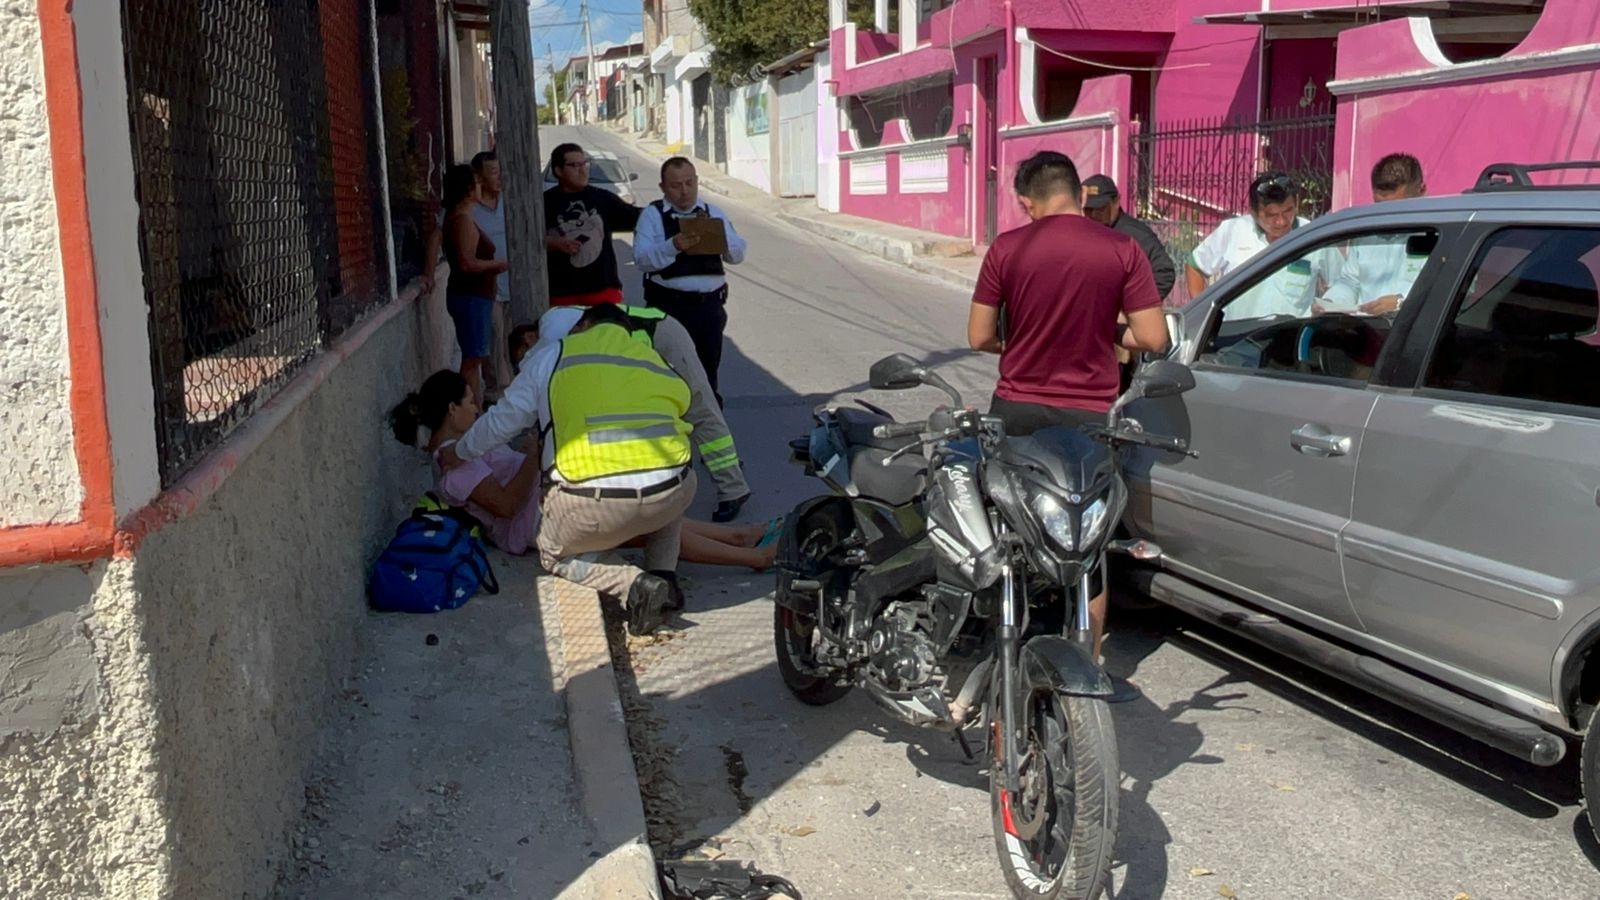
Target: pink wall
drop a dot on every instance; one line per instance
(1094, 148)
(1211, 70)
(1458, 123)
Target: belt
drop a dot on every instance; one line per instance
(618, 493)
(712, 295)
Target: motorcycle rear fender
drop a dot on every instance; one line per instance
(1050, 662)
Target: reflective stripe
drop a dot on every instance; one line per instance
(628, 417)
(729, 453)
(618, 435)
(605, 359)
(718, 465)
(722, 443)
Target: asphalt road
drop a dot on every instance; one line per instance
(1244, 775)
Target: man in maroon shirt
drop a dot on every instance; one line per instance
(1062, 282)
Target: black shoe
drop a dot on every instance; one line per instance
(675, 594)
(646, 599)
(728, 510)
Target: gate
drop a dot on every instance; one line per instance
(797, 134)
(1187, 177)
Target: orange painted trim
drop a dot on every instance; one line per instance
(91, 536)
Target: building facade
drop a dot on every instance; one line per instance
(205, 319)
(1183, 101)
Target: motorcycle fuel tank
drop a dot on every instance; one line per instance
(958, 523)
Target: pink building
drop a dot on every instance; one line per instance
(1182, 101)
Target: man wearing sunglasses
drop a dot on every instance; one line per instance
(1274, 205)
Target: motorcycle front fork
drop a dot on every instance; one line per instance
(1013, 607)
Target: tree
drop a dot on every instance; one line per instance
(748, 34)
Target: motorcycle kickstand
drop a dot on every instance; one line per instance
(966, 748)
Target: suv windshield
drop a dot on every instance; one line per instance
(606, 170)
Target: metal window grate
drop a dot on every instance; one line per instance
(261, 235)
(1187, 177)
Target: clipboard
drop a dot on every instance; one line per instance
(713, 234)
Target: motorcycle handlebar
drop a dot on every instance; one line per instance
(898, 429)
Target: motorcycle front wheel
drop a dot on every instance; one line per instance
(1056, 836)
(791, 638)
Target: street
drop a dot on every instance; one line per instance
(1244, 775)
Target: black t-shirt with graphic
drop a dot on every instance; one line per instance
(590, 216)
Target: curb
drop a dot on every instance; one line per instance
(607, 781)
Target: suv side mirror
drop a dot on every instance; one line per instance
(1162, 378)
(633, 176)
(895, 373)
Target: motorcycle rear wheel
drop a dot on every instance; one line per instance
(1071, 784)
(791, 638)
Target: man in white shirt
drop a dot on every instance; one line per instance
(490, 215)
(1378, 273)
(614, 446)
(1274, 205)
(690, 287)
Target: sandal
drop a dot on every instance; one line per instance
(774, 528)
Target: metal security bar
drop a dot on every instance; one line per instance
(1189, 176)
(260, 199)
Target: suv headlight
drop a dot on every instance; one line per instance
(1054, 518)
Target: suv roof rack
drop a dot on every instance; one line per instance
(1514, 177)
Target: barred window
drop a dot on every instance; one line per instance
(256, 164)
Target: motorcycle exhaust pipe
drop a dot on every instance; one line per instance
(966, 700)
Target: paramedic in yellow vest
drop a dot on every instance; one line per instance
(712, 438)
(616, 452)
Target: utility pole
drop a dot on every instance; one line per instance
(590, 90)
(517, 145)
(555, 95)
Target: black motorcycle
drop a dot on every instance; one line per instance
(949, 575)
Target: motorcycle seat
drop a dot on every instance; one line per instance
(858, 425)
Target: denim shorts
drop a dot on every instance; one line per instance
(474, 318)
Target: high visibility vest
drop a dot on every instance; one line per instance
(616, 407)
(642, 320)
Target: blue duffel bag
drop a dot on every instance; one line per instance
(435, 561)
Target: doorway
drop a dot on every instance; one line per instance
(987, 143)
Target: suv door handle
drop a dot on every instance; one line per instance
(1314, 440)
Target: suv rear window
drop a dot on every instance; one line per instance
(1527, 324)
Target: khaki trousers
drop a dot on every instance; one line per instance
(576, 530)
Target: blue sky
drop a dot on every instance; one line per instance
(554, 24)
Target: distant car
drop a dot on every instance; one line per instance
(1407, 500)
(606, 171)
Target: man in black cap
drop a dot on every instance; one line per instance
(1102, 203)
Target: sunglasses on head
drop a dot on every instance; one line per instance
(1273, 190)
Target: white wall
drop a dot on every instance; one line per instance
(749, 142)
(39, 480)
(827, 136)
(674, 105)
(118, 271)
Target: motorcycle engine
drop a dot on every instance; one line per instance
(901, 656)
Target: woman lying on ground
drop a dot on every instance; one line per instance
(508, 502)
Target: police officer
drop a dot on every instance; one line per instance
(690, 287)
(610, 415)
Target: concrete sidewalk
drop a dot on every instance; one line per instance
(946, 258)
(451, 772)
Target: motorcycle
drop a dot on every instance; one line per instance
(948, 574)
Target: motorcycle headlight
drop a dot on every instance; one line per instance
(1054, 518)
(1094, 521)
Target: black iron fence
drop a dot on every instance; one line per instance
(1187, 177)
(258, 181)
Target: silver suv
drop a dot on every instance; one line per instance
(1407, 501)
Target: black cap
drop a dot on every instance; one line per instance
(1098, 191)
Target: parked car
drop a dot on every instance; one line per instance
(1406, 501)
(607, 171)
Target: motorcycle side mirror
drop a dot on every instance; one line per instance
(896, 373)
(1162, 378)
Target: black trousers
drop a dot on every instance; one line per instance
(1022, 419)
(704, 316)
